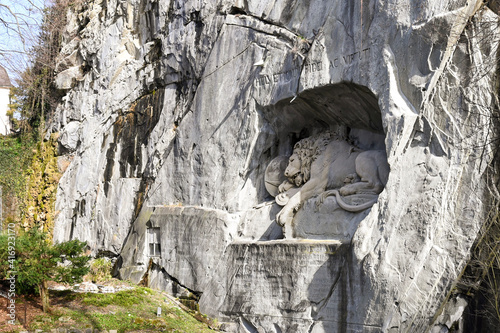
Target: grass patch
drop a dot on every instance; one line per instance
(124, 311)
(125, 298)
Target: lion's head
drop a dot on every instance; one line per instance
(305, 152)
(293, 170)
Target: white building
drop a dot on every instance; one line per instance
(5, 86)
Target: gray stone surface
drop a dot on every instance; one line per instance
(68, 78)
(182, 105)
(70, 136)
(321, 166)
(193, 240)
(328, 220)
(292, 286)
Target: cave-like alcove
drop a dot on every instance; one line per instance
(350, 114)
(347, 108)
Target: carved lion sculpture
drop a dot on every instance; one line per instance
(322, 165)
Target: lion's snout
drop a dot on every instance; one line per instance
(290, 173)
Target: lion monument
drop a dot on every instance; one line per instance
(326, 165)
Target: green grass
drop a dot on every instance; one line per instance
(125, 311)
(125, 298)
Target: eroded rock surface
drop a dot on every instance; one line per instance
(174, 109)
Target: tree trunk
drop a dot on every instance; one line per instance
(44, 295)
(42, 118)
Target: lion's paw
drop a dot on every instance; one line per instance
(346, 190)
(320, 199)
(285, 216)
(280, 218)
(351, 179)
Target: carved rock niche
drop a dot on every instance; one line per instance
(329, 162)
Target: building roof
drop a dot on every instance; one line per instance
(4, 78)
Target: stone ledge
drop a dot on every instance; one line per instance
(288, 242)
(291, 284)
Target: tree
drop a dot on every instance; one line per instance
(31, 32)
(39, 261)
(36, 96)
(19, 27)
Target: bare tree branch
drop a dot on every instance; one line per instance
(20, 22)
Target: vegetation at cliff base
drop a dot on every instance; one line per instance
(28, 168)
(28, 176)
(133, 310)
(42, 177)
(16, 154)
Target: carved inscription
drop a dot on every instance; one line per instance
(311, 67)
(265, 79)
(348, 59)
(271, 271)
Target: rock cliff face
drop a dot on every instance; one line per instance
(174, 109)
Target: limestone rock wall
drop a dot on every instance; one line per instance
(173, 110)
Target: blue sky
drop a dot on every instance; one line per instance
(19, 26)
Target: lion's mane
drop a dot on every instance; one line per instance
(307, 150)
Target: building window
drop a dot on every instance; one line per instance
(154, 242)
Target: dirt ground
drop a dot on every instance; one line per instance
(27, 309)
(30, 307)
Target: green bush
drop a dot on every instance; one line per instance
(38, 261)
(100, 270)
(16, 154)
